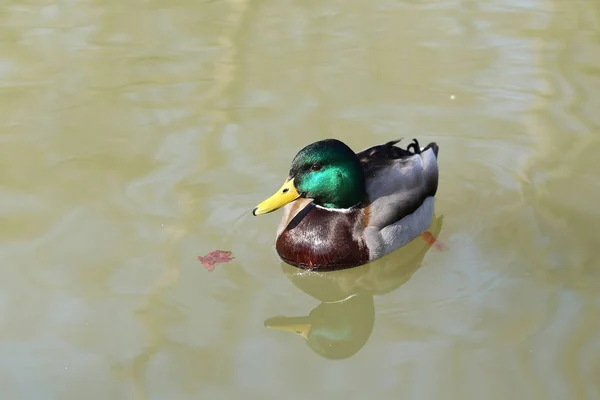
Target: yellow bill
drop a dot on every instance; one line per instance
(286, 194)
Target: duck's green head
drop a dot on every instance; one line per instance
(327, 171)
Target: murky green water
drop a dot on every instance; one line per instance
(138, 135)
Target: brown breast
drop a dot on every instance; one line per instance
(320, 239)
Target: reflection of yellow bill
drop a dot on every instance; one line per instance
(286, 194)
(298, 325)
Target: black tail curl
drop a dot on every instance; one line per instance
(416, 148)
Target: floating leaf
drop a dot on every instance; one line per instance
(215, 257)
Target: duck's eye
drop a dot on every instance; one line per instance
(316, 167)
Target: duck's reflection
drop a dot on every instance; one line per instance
(335, 329)
(341, 325)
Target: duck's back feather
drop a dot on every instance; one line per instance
(398, 181)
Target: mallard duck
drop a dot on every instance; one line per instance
(344, 209)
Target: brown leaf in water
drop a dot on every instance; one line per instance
(215, 257)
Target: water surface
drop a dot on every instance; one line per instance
(138, 135)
